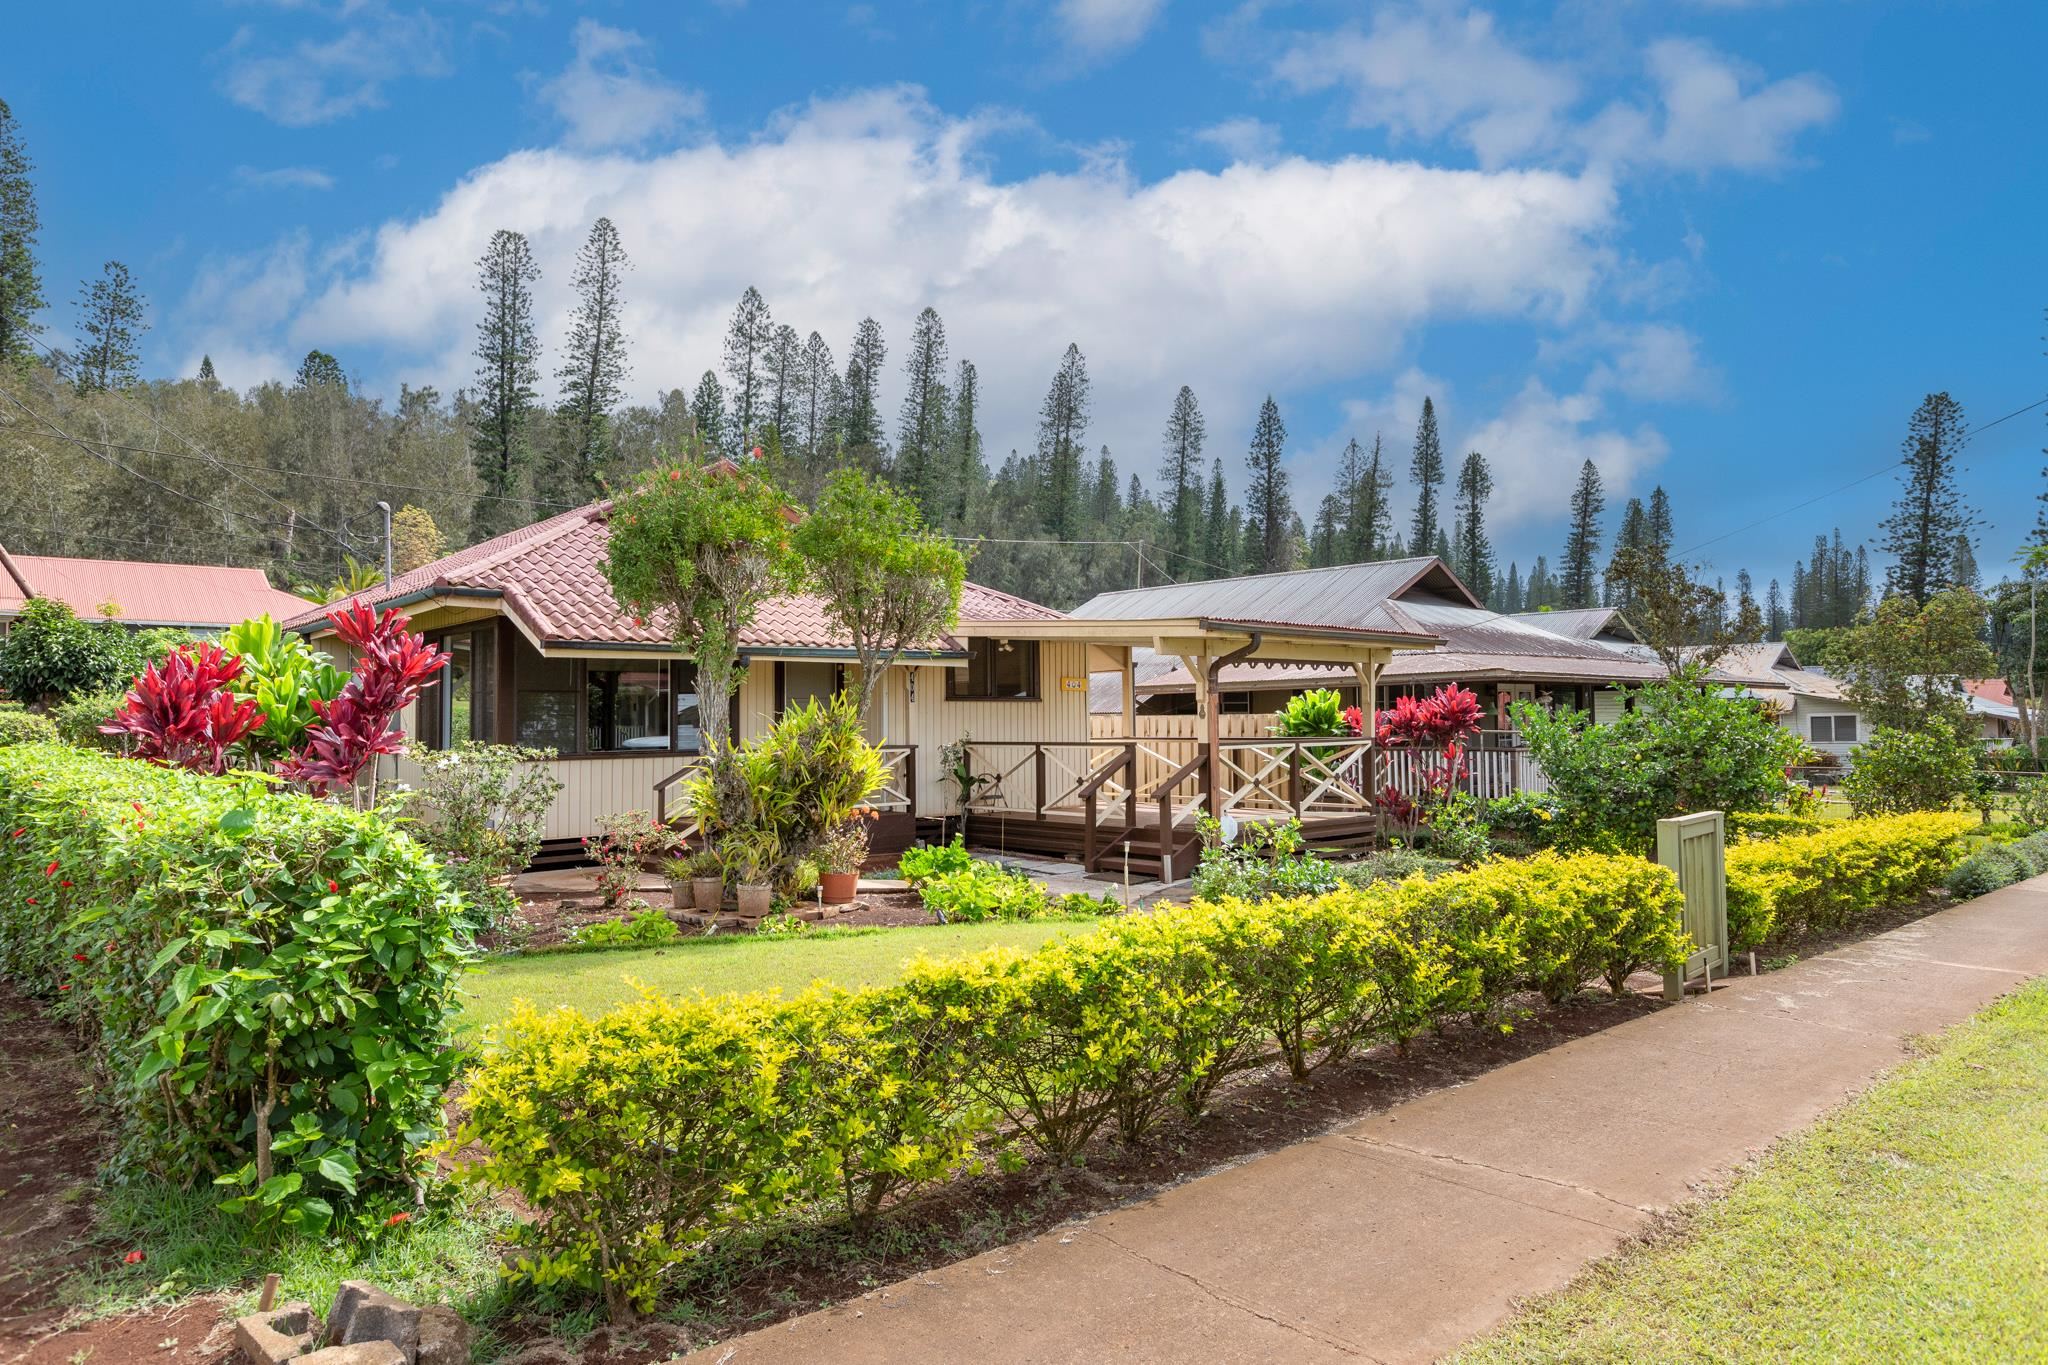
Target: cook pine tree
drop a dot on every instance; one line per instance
(1920, 534)
(1578, 574)
(507, 379)
(593, 371)
(21, 281)
(1366, 487)
(110, 327)
(707, 410)
(920, 456)
(861, 420)
(748, 338)
(1062, 423)
(1426, 468)
(1472, 551)
(1270, 507)
(1180, 474)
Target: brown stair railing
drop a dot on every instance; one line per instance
(1174, 847)
(1124, 761)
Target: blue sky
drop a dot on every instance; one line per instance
(1725, 245)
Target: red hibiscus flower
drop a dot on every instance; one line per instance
(133, 1258)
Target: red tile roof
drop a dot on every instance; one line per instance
(550, 576)
(202, 596)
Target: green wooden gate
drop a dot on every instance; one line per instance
(1694, 846)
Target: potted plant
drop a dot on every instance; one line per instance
(840, 855)
(696, 881)
(748, 857)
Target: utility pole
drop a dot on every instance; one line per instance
(385, 508)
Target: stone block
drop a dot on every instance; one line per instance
(445, 1339)
(284, 1333)
(356, 1353)
(364, 1313)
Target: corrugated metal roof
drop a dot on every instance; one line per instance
(1345, 596)
(1583, 623)
(144, 593)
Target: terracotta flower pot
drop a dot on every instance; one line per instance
(837, 887)
(706, 893)
(755, 901)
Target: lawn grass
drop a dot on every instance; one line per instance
(593, 982)
(1907, 1226)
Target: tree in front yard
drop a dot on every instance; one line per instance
(1906, 667)
(1680, 747)
(703, 546)
(889, 582)
(1898, 771)
(1680, 617)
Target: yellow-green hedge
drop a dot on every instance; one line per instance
(1808, 882)
(638, 1135)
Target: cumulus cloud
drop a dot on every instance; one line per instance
(1101, 28)
(1650, 361)
(1286, 275)
(318, 80)
(1242, 139)
(1440, 71)
(608, 97)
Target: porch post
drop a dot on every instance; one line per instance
(1130, 696)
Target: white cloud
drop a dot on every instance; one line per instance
(1288, 275)
(1242, 139)
(1437, 70)
(1650, 361)
(284, 178)
(1101, 28)
(607, 97)
(1539, 440)
(1434, 71)
(317, 81)
(1712, 114)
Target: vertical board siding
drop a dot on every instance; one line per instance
(1057, 715)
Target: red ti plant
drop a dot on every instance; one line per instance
(181, 712)
(1436, 727)
(393, 667)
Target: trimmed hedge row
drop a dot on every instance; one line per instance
(1810, 882)
(640, 1134)
(256, 971)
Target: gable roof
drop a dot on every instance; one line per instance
(549, 577)
(1580, 623)
(197, 596)
(1343, 596)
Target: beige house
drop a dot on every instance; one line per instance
(540, 655)
(1811, 705)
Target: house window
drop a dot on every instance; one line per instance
(465, 705)
(997, 670)
(628, 708)
(547, 700)
(802, 681)
(1834, 729)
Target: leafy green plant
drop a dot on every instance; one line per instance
(1772, 824)
(623, 847)
(79, 720)
(647, 929)
(482, 809)
(284, 676)
(1457, 830)
(1395, 864)
(1897, 771)
(1525, 817)
(267, 979)
(983, 891)
(1681, 747)
(49, 654)
(919, 865)
(1268, 858)
(2030, 802)
(1315, 714)
(19, 725)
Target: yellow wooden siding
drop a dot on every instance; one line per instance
(1058, 714)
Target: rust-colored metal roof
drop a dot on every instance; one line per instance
(550, 576)
(136, 593)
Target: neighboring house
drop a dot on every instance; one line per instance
(195, 597)
(1566, 658)
(1810, 704)
(542, 655)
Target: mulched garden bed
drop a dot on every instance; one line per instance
(547, 920)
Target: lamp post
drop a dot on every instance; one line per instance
(385, 508)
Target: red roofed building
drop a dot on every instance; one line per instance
(541, 655)
(198, 597)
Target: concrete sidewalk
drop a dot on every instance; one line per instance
(1404, 1235)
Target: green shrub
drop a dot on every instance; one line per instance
(79, 720)
(1528, 818)
(50, 654)
(1984, 872)
(249, 963)
(920, 865)
(1804, 883)
(648, 929)
(2030, 802)
(1266, 859)
(19, 725)
(1395, 864)
(1771, 824)
(1315, 714)
(1681, 747)
(1456, 830)
(637, 1136)
(482, 809)
(983, 891)
(1898, 771)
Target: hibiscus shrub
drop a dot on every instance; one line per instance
(266, 979)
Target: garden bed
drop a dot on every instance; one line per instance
(549, 918)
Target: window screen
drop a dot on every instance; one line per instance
(997, 670)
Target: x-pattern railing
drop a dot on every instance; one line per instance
(1304, 776)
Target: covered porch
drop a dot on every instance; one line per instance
(1127, 800)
